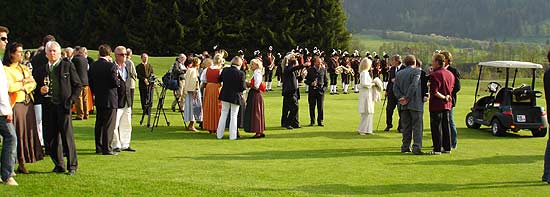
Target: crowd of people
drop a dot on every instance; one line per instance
(39, 90)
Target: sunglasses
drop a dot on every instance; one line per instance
(4, 38)
(121, 54)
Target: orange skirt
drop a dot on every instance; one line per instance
(212, 107)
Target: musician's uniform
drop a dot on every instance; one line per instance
(269, 65)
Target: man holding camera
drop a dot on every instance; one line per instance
(146, 86)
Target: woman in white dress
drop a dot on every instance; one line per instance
(366, 100)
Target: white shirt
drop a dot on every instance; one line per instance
(5, 107)
(122, 71)
(257, 78)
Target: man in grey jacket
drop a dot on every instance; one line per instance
(407, 90)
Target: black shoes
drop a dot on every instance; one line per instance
(387, 128)
(116, 150)
(321, 124)
(129, 149)
(58, 170)
(258, 136)
(311, 124)
(289, 127)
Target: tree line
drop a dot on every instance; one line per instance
(478, 19)
(169, 27)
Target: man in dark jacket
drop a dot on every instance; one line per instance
(144, 72)
(291, 95)
(317, 80)
(233, 81)
(81, 64)
(456, 89)
(58, 97)
(104, 83)
(396, 63)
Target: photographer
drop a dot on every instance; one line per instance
(146, 85)
(177, 71)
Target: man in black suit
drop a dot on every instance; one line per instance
(233, 80)
(57, 98)
(81, 64)
(144, 71)
(39, 60)
(291, 94)
(104, 82)
(317, 80)
(396, 63)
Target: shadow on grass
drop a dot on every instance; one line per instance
(486, 133)
(302, 154)
(343, 189)
(494, 160)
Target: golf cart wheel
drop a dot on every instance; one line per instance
(497, 128)
(471, 123)
(539, 132)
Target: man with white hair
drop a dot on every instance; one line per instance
(233, 81)
(69, 52)
(123, 123)
(60, 91)
(178, 70)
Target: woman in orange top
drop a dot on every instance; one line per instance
(21, 86)
(211, 106)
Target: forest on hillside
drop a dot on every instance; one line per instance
(169, 27)
(478, 19)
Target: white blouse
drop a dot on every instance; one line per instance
(257, 76)
(203, 74)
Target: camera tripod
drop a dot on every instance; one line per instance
(160, 109)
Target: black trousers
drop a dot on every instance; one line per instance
(356, 78)
(290, 111)
(58, 133)
(146, 96)
(441, 132)
(104, 128)
(315, 98)
(333, 78)
(390, 107)
(268, 75)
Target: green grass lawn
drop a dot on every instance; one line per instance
(330, 160)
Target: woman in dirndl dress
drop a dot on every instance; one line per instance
(212, 107)
(254, 119)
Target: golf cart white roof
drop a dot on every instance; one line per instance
(511, 64)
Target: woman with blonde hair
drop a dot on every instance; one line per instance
(366, 100)
(212, 107)
(254, 119)
(193, 103)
